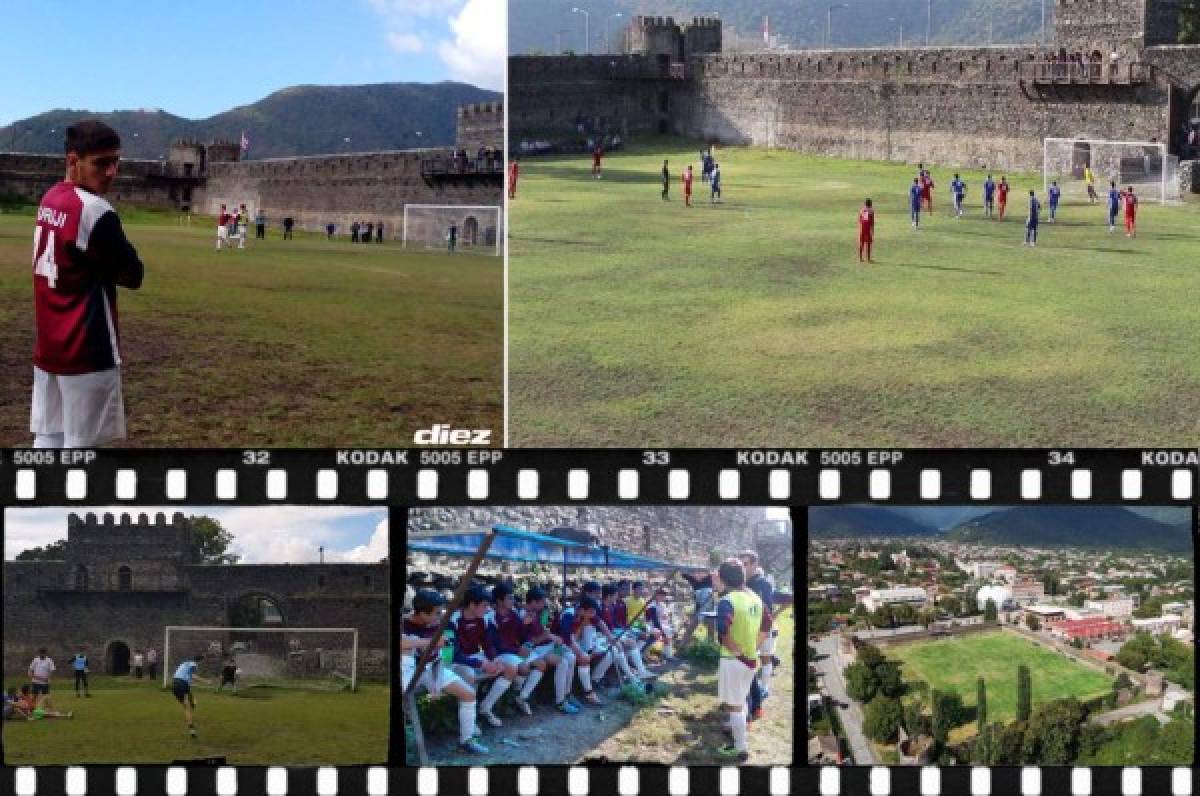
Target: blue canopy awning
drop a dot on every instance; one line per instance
(516, 544)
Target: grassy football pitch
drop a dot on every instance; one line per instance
(639, 322)
(955, 664)
(130, 721)
(306, 342)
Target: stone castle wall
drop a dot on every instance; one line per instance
(684, 534)
(140, 182)
(480, 125)
(46, 604)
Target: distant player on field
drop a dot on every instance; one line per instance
(452, 238)
(1002, 195)
(914, 202)
(959, 189)
(1131, 203)
(514, 171)
(229, 674)
(597, 156)
(1090, 178)
(989, 196)
(687, 186)
(222, 227)
(1114, 205)
(181, 687)
(866, 230)
(1031, 221)
(927, 190)
(242, 225)
(80, 257)
(1054, 194)
(715, 183)
(666, 180)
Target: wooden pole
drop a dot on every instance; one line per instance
(409, 697)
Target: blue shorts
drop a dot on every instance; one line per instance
(181, 689)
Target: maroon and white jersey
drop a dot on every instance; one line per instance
(80, 255)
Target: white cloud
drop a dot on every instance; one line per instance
(262, 535)
(477, 53)
(405, 42)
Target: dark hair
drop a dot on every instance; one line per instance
(609, 589)
(426, 600)
(637, 584)
(500, 591)
(868, 203)
(589, 602)
(590, 586)
(90, 135)
(624, 582)
(536, 593)
(475, 595)
(732, 574)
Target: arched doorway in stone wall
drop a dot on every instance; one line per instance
(1190, 149)
(256, 609)
(117, 658)
(470, 231)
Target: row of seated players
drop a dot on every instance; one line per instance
(490, 638)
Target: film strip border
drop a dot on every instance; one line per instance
(719, 477)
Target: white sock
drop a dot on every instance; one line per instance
(498, 688)
(622, 663)
(738, 722)
(49, 440)
(585, 678)
(602, 667)
(531, 682)
(767, 670)
(668, 650)
(638, 664)
(466, 721)
(562, 677)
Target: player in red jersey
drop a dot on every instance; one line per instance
(866, 230)
(597, 155)
(1131, 203)
(80, 256)
(687, 187)
(927, 188)
(1002, 195)
(514, 171)
(222, 227)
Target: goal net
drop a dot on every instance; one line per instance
(477, 228)
(316, 658)
(1145, 165)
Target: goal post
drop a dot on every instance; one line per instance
(478, 228)
(1145, 165)
(322, 658)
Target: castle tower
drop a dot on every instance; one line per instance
(186, 157)
(127, 553)
(656, 37)
(702, 36)
(1126, 26)
(221, 151)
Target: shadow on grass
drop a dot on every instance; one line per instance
(943, 268)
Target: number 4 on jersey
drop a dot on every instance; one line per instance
(44, 265)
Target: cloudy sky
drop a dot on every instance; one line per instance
(261, 535)
(196, 60)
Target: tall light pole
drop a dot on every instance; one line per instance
(587, 28)
(607, 45)
(928, 22)
(893, 19)
(829, 23)
(1043, 23)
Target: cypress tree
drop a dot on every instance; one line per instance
(1024, 693)
(980, 705)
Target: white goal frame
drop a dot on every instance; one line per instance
(1167, 183)
(167, 673)
(498, 209)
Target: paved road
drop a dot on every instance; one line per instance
(1152, 707)
(851, 717)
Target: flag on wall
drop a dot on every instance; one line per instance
(767, 31)
(245, 141)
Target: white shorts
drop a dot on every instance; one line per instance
(541, 652)
(222, 233)
(768, 645)
(445, 677)
(87, 409)
(510, 658)
(734, 679)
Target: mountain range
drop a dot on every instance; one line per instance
(300, 120)
(550, 26)
(1113, 527)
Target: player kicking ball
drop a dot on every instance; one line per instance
(181, 687)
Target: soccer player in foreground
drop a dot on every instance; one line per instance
(989, 196)
(514, 172)
(80, 257)
(914, 203)
(687, 186)
(1002, 195)
(959, 189)
(866, 230)
(1114, 205)
(576, 626)
(739, 622)
(438, 678)
(1031, 221)
(1054, 194)
(181, 687)
(1131, 203)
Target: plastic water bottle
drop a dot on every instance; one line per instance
(448, 649)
